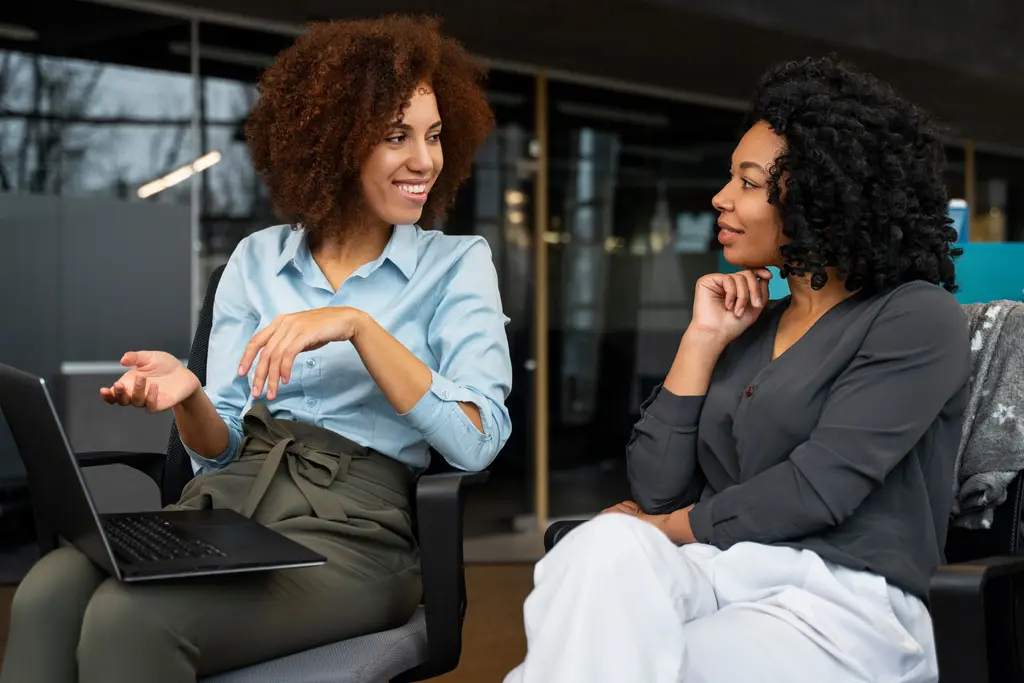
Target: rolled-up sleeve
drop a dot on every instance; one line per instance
(234, 324)
(661, 456)
(467, 336)
(914, 359)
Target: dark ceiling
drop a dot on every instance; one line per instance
(979, 37)
(652, 43)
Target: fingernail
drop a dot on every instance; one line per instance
(241, 369)
(739, 312)
(757, 301)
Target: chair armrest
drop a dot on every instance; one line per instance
(151, 464)
(975, 633)
(440, 503)
(557, 531)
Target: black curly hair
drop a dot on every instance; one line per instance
(859, 182)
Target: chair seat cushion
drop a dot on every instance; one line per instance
(374, 658)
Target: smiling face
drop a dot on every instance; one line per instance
(750, 227)
(402, 168)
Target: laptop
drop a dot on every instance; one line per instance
(143, 546)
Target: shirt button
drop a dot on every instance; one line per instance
(311, 363)
(311, 403)
(749, 391)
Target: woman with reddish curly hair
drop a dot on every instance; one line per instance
(346, 342)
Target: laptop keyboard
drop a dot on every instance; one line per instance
(146, 539)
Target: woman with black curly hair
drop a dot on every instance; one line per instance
(793, 474)
(344, 345)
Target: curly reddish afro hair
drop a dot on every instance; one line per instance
(331, 97)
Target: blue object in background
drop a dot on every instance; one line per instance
(961, 219)
(987, 271)
(777, 287)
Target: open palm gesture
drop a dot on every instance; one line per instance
(156, 381)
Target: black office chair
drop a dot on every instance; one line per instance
(429, 645)
(974, 600)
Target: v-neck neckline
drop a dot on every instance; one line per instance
(777, 320)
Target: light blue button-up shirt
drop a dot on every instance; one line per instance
(437, 294)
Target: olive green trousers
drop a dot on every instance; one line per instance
(71, 622)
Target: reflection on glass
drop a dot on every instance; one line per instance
(999, 193)
(232, 188)
(87, 120)
(588, 206)
(632, 181)
(234, 202)
(497, 203)
(81, 128)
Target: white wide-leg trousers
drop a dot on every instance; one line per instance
(617, 602)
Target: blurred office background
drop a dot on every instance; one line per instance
(124, 180)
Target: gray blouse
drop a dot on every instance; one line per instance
(844, 445)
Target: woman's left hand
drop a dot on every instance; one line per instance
(628, 507)
(675, 525)
(291, 334)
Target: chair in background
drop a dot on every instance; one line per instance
(429, 645)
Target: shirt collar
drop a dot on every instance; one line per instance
(292, 242)
(401, 249)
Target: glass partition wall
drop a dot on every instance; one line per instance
(125, 180)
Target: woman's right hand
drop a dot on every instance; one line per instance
(156, 381)
(726, 304)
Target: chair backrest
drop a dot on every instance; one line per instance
(178, 466)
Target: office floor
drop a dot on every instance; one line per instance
(493, 640)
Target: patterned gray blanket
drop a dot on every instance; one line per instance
(992, 447)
